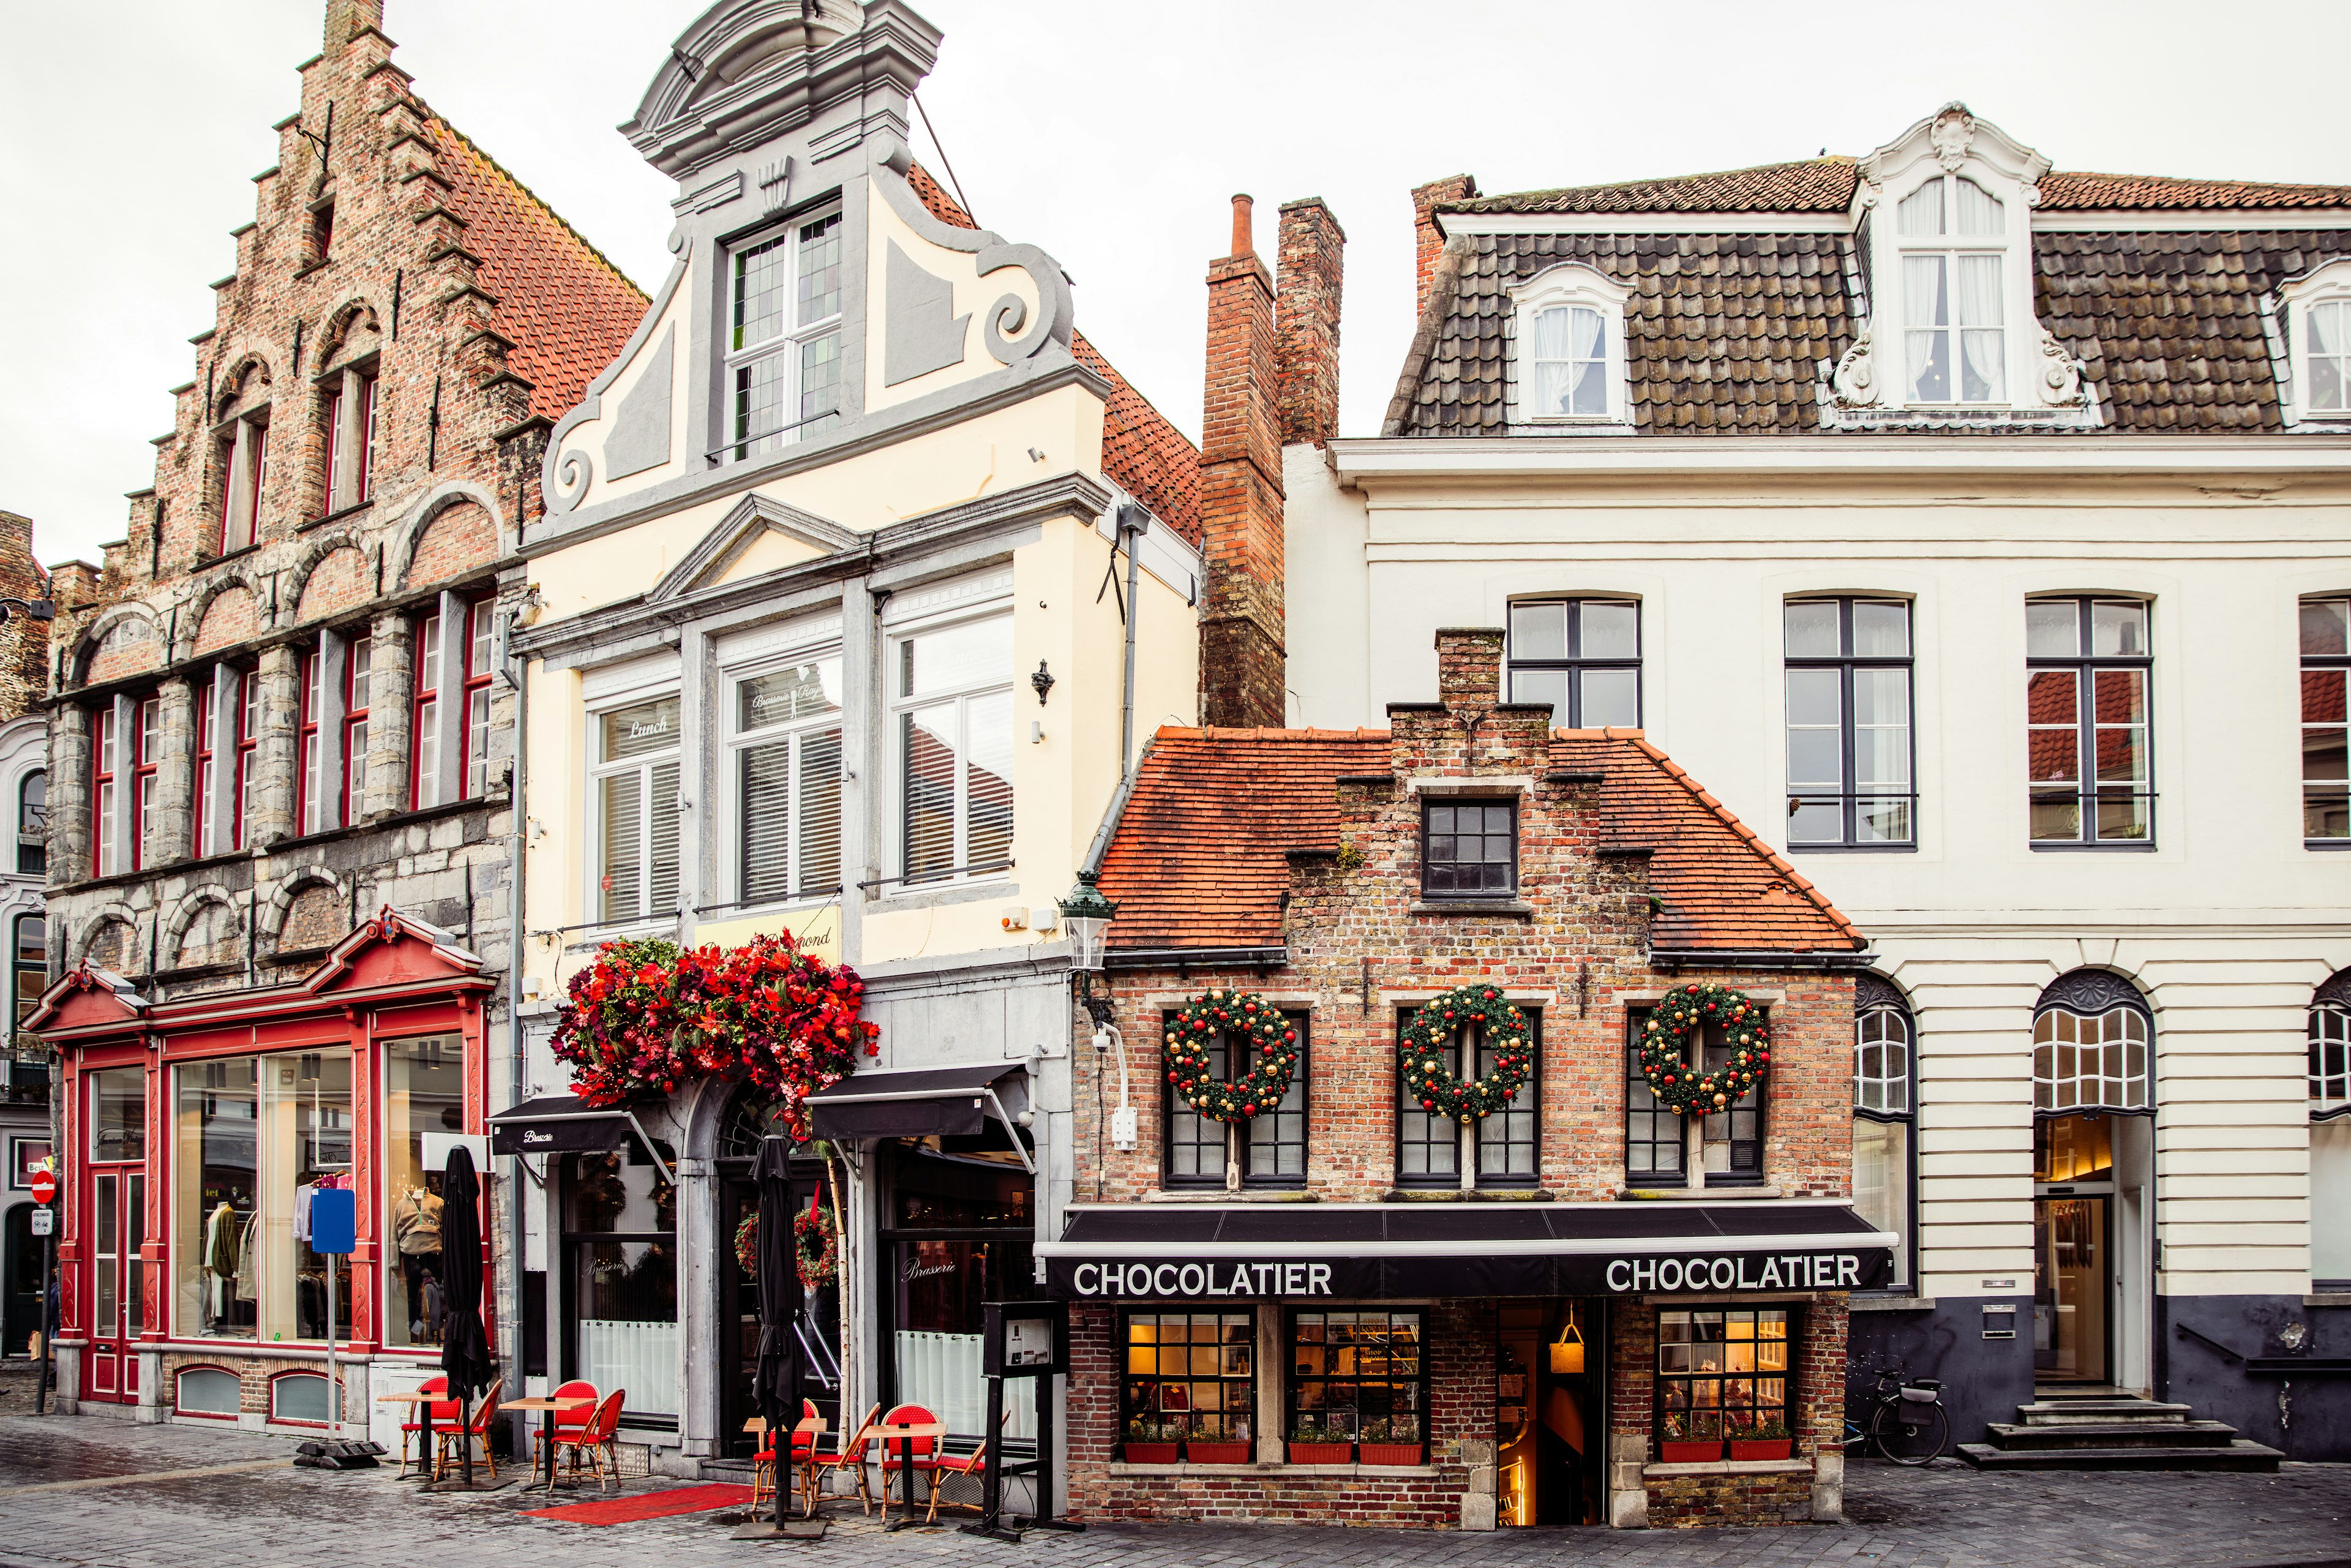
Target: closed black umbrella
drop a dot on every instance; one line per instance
(465, 1346)
(777, 1391)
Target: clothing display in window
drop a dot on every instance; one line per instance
(416, 1234)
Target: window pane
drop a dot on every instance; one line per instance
(820, 386)
(1921, 212)
(1538, 631)
(118, 1112)
(1881, 629)
(990, 781)
(765, 775)
(2326, 628)
(1881, 717)
(619, 880)
(1542, 687)
(1610, 630)
(636, 730)
(759, 273)
(2052, 750)
(426, 1092)
(974, 653)
(1882, 822)
(804, 691)
(2122, 725)
(2117, 628)
(1978, 212)
(1811, 626)
(820, 270)
(1611, 697)
(2056, 818)
(931, 766)
(819, 816)
(759, 406)
(2053, 629)
(2122, 814)
(662, 874)
(1816, 822)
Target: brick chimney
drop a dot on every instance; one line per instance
(346, 18)
(1470, 667)
(1243, 670)
(1307, 270)
(1427, 243)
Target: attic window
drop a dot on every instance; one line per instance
(2326, 356)
(1952, 233)
(1570, 348)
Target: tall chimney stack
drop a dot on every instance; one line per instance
(1244, 672)
(1308, 267)
(1428, 244)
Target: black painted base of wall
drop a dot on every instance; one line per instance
(2306, 1418)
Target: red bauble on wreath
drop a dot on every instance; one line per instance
(1666, 1056)
(1255, 1032)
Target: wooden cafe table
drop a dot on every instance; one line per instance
(416, 1399)
(904, 1435)
(548, 1406)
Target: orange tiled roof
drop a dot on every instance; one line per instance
(1148, 457)
(1198, 858)
(568, 311)
(2063, 191)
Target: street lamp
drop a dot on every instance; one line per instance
(1087, 914)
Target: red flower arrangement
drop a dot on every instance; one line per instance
(646, 1017)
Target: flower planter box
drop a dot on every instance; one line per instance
(1321, 1453)
(1201, 1453)
(1151, 1453)
(1391, 1453)
(1704, 1453)
(1761, 1448)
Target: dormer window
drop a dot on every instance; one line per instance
(1570, 348)
(783, 344)
(2318, 367)
(1951, 231)
(2330, 357)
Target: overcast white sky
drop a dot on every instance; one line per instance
(1110, 134)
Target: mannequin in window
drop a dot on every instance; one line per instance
(416, 1231)
(220, 1262)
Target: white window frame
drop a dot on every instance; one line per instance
(1569, 284)
(593, 815)
(961, 696)
(787, 344)
(1952, 246)
(739, 741)
(2329, 284)
(2330, 1050)
(2090, 1087)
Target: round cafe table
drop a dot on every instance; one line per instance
(548, 1406)
(415, 1398)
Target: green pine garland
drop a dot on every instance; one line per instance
(1254, 1031)
(1502, 1027)
(1666, 1057)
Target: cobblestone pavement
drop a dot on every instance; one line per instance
(1942, 1518)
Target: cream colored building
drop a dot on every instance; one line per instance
(820, 642)
(1981, 535)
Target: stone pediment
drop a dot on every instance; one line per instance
(758, 534)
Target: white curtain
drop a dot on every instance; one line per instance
(1979, 211)
(637, 1356)
(1927, 313)
(1553, 388)
(1921, 212)
(1984, 379)
(941, 1373)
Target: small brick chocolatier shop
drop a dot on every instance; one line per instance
(1485, 1153)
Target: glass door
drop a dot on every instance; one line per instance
(1548, 1425)
(2073, 1241)
(118, 1228)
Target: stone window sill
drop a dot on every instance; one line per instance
(1696, 1194)
(2327, 1299)
(1861, 1303)
(1120, 1468)
(1660, 1471)
(1511, 908)
(1224, 1195)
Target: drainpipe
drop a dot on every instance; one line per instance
(1132, 522)
(516, 1186)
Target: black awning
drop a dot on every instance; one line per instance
(931, 1101)
(1385, 1251)
(559, 1124)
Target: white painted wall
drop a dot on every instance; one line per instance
(2226, 924)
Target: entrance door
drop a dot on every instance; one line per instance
(1548, 1424)
(117, 1212)
(2074, 1276)
(20, 1284)
(738, 1325)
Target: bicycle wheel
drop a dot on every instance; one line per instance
(1905, 1444)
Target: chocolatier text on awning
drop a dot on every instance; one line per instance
(1381, 1251)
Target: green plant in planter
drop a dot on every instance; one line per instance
(1672, 1428)
(1316, 1432)
(1395, 1429)
(1765, 1430)
(1142, 1431)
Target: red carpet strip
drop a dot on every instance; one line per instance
(648, 1505)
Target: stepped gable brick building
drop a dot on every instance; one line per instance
(280, 727)
(1340, 1308)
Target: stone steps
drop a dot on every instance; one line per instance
(2240, 1454)
(2114, 1435)
(2098, 1433)
(2099, 1412)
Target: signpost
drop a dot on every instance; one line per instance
(1027, 1339)
(44, 1188)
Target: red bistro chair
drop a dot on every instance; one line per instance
(567, 1423)
(598, 1439)
(848, 1453)
(477, 1429)
(909, 1453)
(442, 1411)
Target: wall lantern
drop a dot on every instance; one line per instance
(1086, 914)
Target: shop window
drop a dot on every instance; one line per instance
(952, 697)
(962, 1234)
(118, 1114)
(1722, 1372)
(620, 1245)
(1469, 849)
(1582, 656)
(423, 1092)
(2090, 765)
(634, 774)
(2330, 1134)
(207, 1391)
(1270, 1146)
(2325, 719)
(1503, 1149)
(33, 825)
(255, 1137)
(787, 740)
(1661, 1147)
(2093, 1046)
(1883, 1116)
(1358, 1377)
(1190, 1377)
(304, 1397)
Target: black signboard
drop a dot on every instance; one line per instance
(1024, 1339)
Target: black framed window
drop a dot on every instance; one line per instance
(2325, 722)
(1189, 1375)
(1469, 849)
(1849, 731)
(1722, 1372)
(2090, 761)
(1506, 1146)
(33, 825)
(621, 1322)
(1358, 1376)
(1272, 1145)
(1731, 1141)
(1884, 1140)
(1582, 656)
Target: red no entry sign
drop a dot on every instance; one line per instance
(44, 1185)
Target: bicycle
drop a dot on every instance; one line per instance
(1909, 1425)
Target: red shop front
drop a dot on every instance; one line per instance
(196, 1131)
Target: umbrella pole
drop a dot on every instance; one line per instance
(464, 1441)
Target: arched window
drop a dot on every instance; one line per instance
(2330, 1134)
(33, 825)
(1952, 233)
(2093, 1046)
(1569, 325)
(1884, 1149)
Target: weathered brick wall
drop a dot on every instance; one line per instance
(1428, 245)
(1243, 668)
(1307, 284)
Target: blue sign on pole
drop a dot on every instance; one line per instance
(334, 1220)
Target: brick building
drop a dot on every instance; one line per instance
(1348, 1306)
(278, 861)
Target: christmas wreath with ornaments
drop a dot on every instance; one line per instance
(816, 1247)
(1666, 1055)
(1502, 1030)
(1255, 1033)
